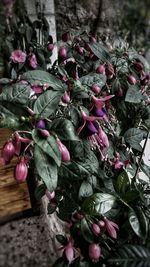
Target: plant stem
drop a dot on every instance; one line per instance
(140, 159)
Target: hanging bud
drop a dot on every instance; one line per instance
(50, 47)
(17, 144)
(101, 224)
(65, 155)
(44, 133)
(8, 151)
(79, 49)
(21, 170)
(95, 88)
(131, 79)
(40, 124)
(94, 252)
(92, 39)
(66, 98)
(138, 65)
(65, 37)
(101, 69)
(69, 252)
(62, 52)
(95, 229)
(109, 70)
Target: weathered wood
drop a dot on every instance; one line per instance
(14, 197)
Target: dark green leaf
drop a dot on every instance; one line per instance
(133, 95)
(134, 136)
(48, 145)
(138, 222)
(62, 239)
(123, 183)
(86, 231)
(16, 93)
(43, 77)
(8, 119)
(99, 203)
(93, 78)
(131, 256)
(100, 51)
(64, 129)
(46, 168)
(86, 190)
(47, 103)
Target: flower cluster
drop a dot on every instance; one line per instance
(80, 124)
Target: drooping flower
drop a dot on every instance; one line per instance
(21, 170)
(95, 229)
(65, 155)
(69, 252)
(94, 252)
(100, 102)
(32, 61)
(86, 118)
(116, 162)
(66, 97)
(111, 228)
(50, 195)
(38, 89)
(41, 124)
(18, 56)
(8, 151)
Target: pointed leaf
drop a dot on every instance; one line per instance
(48, 145)
(46, 168)
(138, 222)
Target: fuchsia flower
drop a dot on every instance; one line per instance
(95, 229)
(21, 170)
(50, 195)
(38, 89)
(32, 61)
(111, 228)
(69, 251)
(18, 56)
(8, 151)
(65, 155)
(66, 97)
(100, 102)
(94, 252)
(116, 162)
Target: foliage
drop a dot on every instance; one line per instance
(85, 146)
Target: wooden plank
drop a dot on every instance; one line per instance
(14, 197)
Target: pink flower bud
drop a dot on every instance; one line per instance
(32, 61)
(38, 89)
(62, 52)
(65, 155)
(66, 98)
(95, 88)
(92, 39)
(44, 133)
(8, 151)
(94, 252)
(50, 47)
(69, 252)
(111, 228)
(50, 195)
(109, 70)
(101, 224)
(65, 37)
(31, 112)
(21, 171)
(101, 69)
(131, 79)
(138, 65)
(79, 49)
(119, 92)
(95, 229)
(17, 144)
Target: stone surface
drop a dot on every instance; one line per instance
(29, 242)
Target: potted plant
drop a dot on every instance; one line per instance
(80, 124)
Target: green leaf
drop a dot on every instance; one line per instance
(86, 231)
(47, 103)
(43, 77)
(100, 51)
(46, 168)
(40, 191)
(61, 239)
(98, 204)
(133, 95)
(131, 256)
(123, 183)
(16, 93)
(138, 222)
(85, 190)
(134, 136)
(48, 145)
(8, 119)
(64, 129)
(93, 78)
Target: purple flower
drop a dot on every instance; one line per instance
(18, 56)
(32, 61)
(111, 228)
(94, 252)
